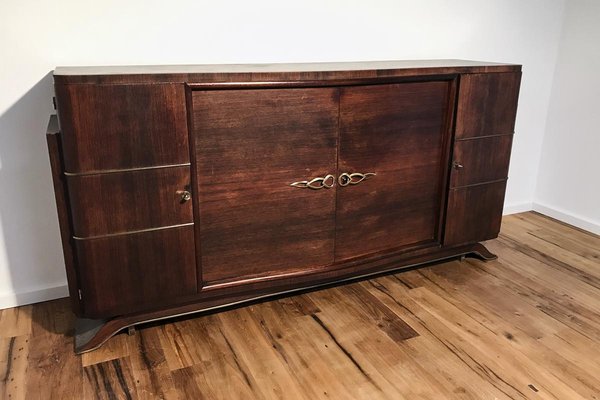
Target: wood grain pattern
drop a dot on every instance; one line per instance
(522, 327)
(474, 213)
(106, 127)
(398, 132)
(482, 160)
(250, 146)
(61, 196)
(153, 268)
(128, 201)
(487, 104)
(324, 71)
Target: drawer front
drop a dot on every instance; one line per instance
(487, 104)
(399, 132)
(474, 213)
(134, 272)
(104, 204)
(107, 127)
(480, 160)
(250, 146)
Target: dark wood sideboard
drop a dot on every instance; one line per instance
(187, 188)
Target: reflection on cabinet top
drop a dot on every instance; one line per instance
(268, 72)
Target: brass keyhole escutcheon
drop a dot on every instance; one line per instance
(184, 195)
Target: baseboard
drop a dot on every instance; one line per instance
(33, 296)
(569, 218)
(516, 208)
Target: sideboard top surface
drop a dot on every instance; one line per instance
(272, 72)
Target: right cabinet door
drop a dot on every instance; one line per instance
(391, 166)
(485, 121)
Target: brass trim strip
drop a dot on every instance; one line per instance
(160, 228)
(484, 136)
(479, 184)
(112, 171)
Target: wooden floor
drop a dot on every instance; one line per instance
(525, 326)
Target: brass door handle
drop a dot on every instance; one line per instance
(326, 182)
(354, 178)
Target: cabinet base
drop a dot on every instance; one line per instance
(90, 334)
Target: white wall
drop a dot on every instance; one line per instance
(569, 176)
(36, 36)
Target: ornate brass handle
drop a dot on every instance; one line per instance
(354, 178)
(326, 182)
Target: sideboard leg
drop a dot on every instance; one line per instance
(86, 332)
(481, 252)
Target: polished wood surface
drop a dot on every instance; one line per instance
(474, 213)
(487, 104)
(249, 147)
(480, 160)
(127, 273)
(107, 127)
(62, 207)
(325, 71)
(522, 327)
(111, 203)
(245, 134)
(399, 132)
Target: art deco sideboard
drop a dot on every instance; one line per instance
(187, 188)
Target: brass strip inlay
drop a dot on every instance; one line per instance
(479, 184)
(112, 171)
(133, 232)
(483, 137)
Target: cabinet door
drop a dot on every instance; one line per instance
(399, 133)
(485, 122)
(113, 127)
(249, 147)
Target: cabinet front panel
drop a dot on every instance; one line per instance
(134, 272)
(487, 104)
(250, 145)
(398, 132)
(107, 127)
(480, 160)
(129, 201)
(474, 213)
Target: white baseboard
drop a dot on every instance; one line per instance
(516, 208)
(33, 296)
(569, 218)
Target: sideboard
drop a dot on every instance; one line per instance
(182, 189)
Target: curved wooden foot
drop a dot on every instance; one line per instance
(481, 252)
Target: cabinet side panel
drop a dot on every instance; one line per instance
(487, 104)
(108, 127)
(481, 160)
(129, 201)
(475, 213)
(62, 208)
(134, 272)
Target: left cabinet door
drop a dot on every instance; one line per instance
(249, 147)
(126, 160)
